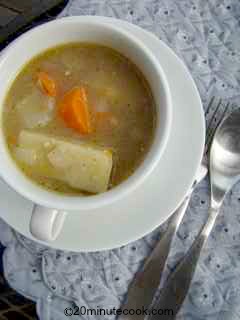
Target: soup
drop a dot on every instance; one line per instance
(79, 119)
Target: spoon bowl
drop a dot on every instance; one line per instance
(225, 157)
(224, 173)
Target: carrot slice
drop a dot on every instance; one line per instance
(47, 84)
(74, 110)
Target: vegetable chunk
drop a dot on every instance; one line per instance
(74, 110)
(40, 115)
(47, 84)
(25, 156)
(80, 165)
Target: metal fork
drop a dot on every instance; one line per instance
(166, 299)
(142, 289)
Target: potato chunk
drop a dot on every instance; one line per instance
(25, 156)
(35, 110)
(80, 165)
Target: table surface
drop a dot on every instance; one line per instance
(14, 306)
(205, 34)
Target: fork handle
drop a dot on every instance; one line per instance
(144, 285)
(177, 285)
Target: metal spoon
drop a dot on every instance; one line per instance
(224, 173)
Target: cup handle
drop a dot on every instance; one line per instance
(46, 223)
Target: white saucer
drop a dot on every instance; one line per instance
(154, 201)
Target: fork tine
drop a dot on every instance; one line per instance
(210, 129)
(210, 137)
(209, 105)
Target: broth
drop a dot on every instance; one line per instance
(121, 111)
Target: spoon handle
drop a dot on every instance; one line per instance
(177, 285)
